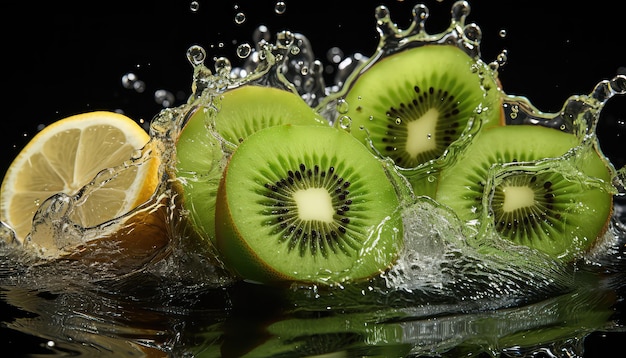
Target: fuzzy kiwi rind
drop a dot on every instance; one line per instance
(415, 103)
(567, 216)
(200, 158)
(265, 235)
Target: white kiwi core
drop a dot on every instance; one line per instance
(314, 204)
(517, 197)
(421, 133)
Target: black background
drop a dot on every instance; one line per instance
(64, 58)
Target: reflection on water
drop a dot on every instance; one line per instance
(181, 307)
(446, 295)
(148, 314)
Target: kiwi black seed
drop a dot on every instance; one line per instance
(314, 206)
(415, 103)
(200, 158)
(544, 209)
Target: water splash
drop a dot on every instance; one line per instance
(440, 277)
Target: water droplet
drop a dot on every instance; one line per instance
(240, 18)
(164, 98)
(342, 106)
(284, 39)
(334, 55)
(473, 33)
(502, 57)
(304, 70)
(345, 122)
(244, 50)
(398, 121)
(261, 33)
(139, 86)
(222, 65)
(460, 10)
(618, 84)
(502, 33)
(196, 55)
(194, 6)
(128, 80)
(280, 7)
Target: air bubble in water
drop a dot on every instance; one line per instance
(194, 6)
(280, 7)
(240, 18)
(244, 50)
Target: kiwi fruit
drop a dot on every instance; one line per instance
(307, 204)
(199, 166)
(413, 104)
(245, 110)
(558, 214)
(200, 155)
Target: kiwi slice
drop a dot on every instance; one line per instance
(413, 104)
(249, 108)
(242, 111)
(545, 209)
(199, 167)
(308, 204)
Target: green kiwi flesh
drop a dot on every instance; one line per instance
(242, 111)
(308, 204)
(415, 103)
(540, 209)
(249, 108)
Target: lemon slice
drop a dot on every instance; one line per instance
(67, 155)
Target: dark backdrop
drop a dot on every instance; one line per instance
(63, 58)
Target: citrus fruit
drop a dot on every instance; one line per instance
(67, 155)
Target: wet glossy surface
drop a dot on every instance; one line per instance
(45, 312)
